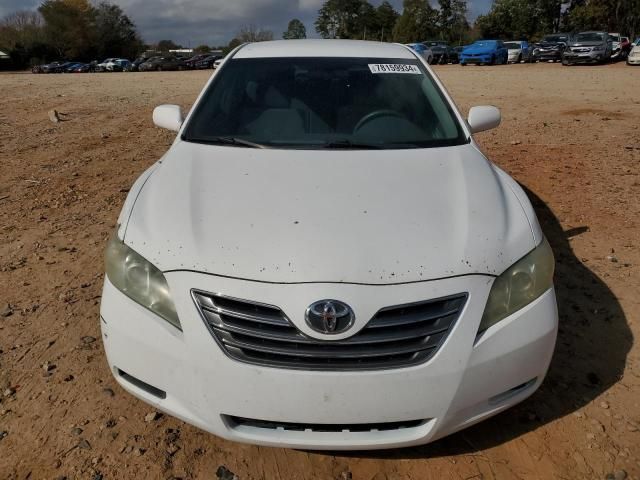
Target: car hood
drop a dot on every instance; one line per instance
(478, 50)
(550, 44)
(585, 44)
(369, 217)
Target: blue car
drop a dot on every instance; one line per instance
(422, 50)
(485, 52)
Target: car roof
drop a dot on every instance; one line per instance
(323, 48)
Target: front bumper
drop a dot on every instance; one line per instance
(545, 56)
(186, 374)
(586, 57)
(633, 60)
(476, 59)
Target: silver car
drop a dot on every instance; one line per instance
(588, 47)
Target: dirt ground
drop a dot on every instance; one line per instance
(571, 136)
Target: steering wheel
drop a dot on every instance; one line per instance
(374, 115)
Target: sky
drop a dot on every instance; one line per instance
(215, 22)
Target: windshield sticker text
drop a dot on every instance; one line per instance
(394, 68)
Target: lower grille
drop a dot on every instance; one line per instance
(324, 427)
(395, 337)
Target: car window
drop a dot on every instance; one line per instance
(589, 37)
(314, 102)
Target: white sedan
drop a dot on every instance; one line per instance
(324, 259)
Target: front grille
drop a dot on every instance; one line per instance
(324, 427)
(580, 50)
(395, 337)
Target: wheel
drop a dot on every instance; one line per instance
(159, 69)
(519, 58)
(463, 64)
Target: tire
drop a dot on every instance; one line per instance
(159, 68)
(463, 64)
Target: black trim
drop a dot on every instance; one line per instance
(150, 389)
(231, 277)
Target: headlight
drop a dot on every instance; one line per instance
(598, 49)
(139, 280)
(520, 285)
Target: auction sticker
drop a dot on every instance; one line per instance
(394, 68)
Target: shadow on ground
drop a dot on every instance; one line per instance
(593, 342)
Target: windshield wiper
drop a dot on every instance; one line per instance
(348, 144)
(235, 141)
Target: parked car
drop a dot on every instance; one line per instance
(442, 52)
(167, 62)
(121, 65)
(190, 63)
(617, 50)
(422, 50)
(71, 67)
(206, 62)
(135, 65)
(426, 306)
(484, 52)
(519, 51)
(83, 68)
(625, 46)
(636, 42)
(588, 47)
(102, 66)
(550, 48)
(634, 56)
(53, 67)
(218, 62)
(457, 51)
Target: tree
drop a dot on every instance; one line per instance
(166, 45)
(295, 30)
(345, 19)
(251, 33)
(116, 34)
(386, 19)
(417, 22)
(452, 20)
(68, 27)
(22, 36)
(202, 49)
(510, 20)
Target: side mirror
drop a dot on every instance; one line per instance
(483, 118)
(168, 116)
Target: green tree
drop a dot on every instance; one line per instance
(295, 30)
(417, 22)
(115, 33)
(69, 27)
(202, 49)
(452, 20)
(166, 45)
(22, 37)
(386, 19)
(510, 19)
(344, 18)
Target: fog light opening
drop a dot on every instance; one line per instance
(512, 392)
(150, 389)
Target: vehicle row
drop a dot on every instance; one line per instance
(140, 64)
(583, 47)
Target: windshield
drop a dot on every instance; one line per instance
(588, 37)
(324, 103)
(555, 38)
(513, 45)
(484, 43)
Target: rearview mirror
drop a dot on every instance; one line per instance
(168, 116)
(483, 118)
